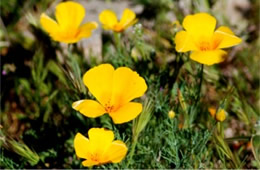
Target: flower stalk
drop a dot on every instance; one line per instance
(117, 37)
(138, 126)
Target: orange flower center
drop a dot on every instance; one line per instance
(118, 27)
(109, 108)
(209, 45)
(204, 46)
(94, 157)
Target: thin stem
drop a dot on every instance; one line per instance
(117, 37)
(200, 82)
(177, 65)
(131, 154)
(189, 116)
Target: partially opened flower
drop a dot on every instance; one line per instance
(114, 90)
(109, 20)
(201, 38)
(100, 148)
(68, 28)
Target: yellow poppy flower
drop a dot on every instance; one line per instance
(99, 148)
(203, 41)
(114, 89)
(109, 20)
(67, 29)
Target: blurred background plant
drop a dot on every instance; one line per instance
(38, 87)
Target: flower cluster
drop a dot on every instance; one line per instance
(69, 15)
(114, 89)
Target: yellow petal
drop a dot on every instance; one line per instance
(127, 18)
(82, 146)
(126, 113)
(131, 23)
(89, 163)
(108, 18)
(99, 81)
(128, 85)
(101, 137)
(209, 57)
(86, 29)
(226, 36)
(69, 15)
(184, 42)
(115, 153)
(49, 25)
(201, 24)
(89, 108)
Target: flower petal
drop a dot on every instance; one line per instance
(184, 42)
(128, 85)
(89, 163)
(101, 138)
(226, 36)
(99, 81)
(126, 113)
(108, 19)
(89, 108)
(69, 15)
(48, 24)
(85, 29)
(201, 24)
(116, 152)
(127, 18)
(82, 146)
(131, 23)
(209, 57)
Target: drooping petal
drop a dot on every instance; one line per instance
(69, 15)
(209, 57)
(99, 81)
(86, 29)
(115, 153)
(89, 163)
(126, 113)
(89, 108)
(226, 37)
(108, 19)
(101, 137)
(82, 146)
(49, 25)
(184, 42)
(128, 85)
(201, 24)
(127, 17)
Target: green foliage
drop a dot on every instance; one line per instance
(41, 79)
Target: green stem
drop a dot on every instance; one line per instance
(177, 67)
(189, 116)
(131, 154)
(200, 82)
(240, 138)
(117, 37)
